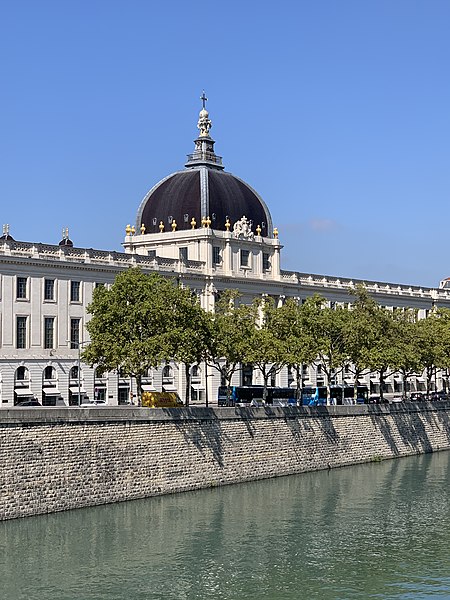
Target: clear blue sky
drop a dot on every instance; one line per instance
(336, 112)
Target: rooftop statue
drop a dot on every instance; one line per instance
(242, 229)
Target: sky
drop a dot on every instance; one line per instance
(336, 111)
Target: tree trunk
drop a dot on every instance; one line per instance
(405, 384)
(139, 389)
(355, 386)
(266, 379)
(382, 372)
(187, 372)
(298, 374)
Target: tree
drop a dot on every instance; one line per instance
(189, 332)
(327, 328)
(230, 329)
(362, 334)
(382, 354)
(300, 347)
(406, 357)
(443, 339)
(266, 349)
(135, 324)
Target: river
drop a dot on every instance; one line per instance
(380, 530)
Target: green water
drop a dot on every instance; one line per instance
(371, 531)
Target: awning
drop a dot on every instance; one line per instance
(148, 388)
(74, 390)
(52, 392)
(24, 392)
(197, 386)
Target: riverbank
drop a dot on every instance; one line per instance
(59, 459)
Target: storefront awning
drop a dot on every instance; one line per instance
(148, 388)
(74, 390)
(197, 386)
(52, 391)
(24, 392)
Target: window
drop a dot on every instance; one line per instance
(216, 255)
(73, 373)
(195, 373)
(184, 253)
(21, 288)
(245, 258)
(167, 374)
(247, 374)
(49, 289)
(319, 370)
(49, 326)
(99, 285)
(74, 291)
(74, 333)
(290, 375)
(266, 261)
(21, 332)
(22, 374)
(49, 373)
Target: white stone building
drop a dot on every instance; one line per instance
(203, 226)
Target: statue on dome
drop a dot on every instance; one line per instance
(204, 122)
(242, 229)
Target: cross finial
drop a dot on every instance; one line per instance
(203, 98)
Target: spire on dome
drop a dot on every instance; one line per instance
(204, 145)
(204, 122)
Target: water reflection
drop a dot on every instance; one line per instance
(369, 531)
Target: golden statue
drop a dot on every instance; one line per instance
(161, 226)
(258, 230)
(227, 224)
(142, 229)
(193, 223)
(275, 232)
(128, 229)
(208, 222)
(174, 225)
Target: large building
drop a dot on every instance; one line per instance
(203, 226)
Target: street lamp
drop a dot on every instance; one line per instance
(78, 345)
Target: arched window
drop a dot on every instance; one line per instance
(49, 373)
(196, 373)
(22, 374)
(74, 372)
(167, 374)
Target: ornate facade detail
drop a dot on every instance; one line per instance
(242, 229)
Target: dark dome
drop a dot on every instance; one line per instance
(202, 192)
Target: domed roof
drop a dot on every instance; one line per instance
(202, 190)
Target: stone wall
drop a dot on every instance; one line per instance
(58, 459)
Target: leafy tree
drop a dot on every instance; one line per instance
(406, 357)
(266, 349)
(300, 347)
(327, 328)
(230, 329)
(363, 331)
(136, 324)
(189, 332)
(382, 354)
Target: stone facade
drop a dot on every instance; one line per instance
(59, 459)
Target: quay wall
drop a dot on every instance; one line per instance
(58, 459)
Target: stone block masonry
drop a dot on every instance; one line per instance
(58, 459)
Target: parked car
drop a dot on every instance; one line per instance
(30, 402)
(417, 397)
